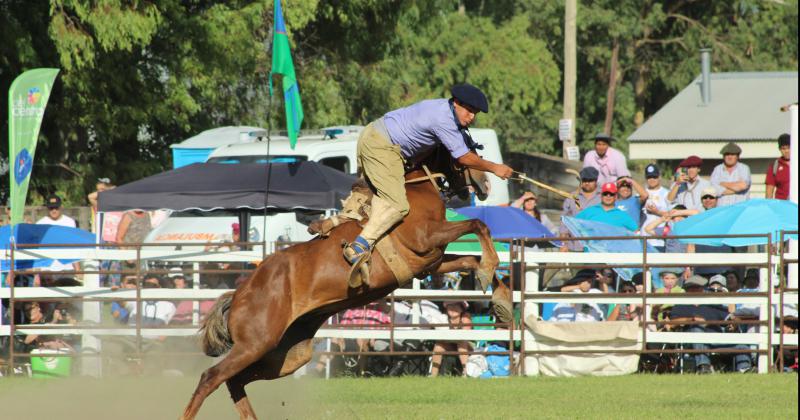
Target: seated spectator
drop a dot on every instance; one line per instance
(702, 313)
(626, 311)
(778, 172)
(609, 162)
(607, 211)
(459, 318)
(629, 202)
(669, 279)
(375, 313)
(588, 195)
(688, 184)
(717, 284)
(731, 178)
(154, 312)
(579, 312)
(732, 278)
(118, 308)
(528, 203)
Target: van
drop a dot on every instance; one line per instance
(336, 147)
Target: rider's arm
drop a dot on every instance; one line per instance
(473, 161)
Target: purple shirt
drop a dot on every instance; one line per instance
(611, 166)
(420, 127)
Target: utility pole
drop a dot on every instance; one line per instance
(570, 75)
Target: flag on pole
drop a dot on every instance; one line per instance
(27, 99)
(282, 64)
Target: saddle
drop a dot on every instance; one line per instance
(357, 207)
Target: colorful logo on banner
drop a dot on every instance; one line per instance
(23, 164)
(34, 94)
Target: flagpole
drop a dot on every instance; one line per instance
(268, 44)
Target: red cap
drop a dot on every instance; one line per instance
(691, 161)
(235, 227)
(609, 187)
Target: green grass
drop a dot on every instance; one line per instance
(636, 396)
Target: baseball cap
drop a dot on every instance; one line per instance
(708, 191)
(176, 272)
(718, 278)
(623, 181)
(589, 173)
(104, 180)
(652, 171)
(696, 280)
(603, 137)
(53, 202)
(609, 187)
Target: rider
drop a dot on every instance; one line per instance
(404, 137)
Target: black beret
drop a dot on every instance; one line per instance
(603, 137)
(470, 95)
(589, 173)
(784, 140)
(581, 276)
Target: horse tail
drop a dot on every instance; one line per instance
(214, 332)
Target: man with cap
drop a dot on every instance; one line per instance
(629, 202)
(607, 211)
(588, 195)
(688, 185)
(609, 161)
(54, 214)
(657, 204)
(406, 136)
(778, 173)
(731, 178)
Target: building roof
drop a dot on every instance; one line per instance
(743, 107)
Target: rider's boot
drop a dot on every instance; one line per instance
(382, 217)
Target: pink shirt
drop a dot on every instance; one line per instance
(611, 166)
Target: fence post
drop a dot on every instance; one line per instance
(92, 313)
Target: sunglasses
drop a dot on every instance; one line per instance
(588, 180)
(607, 194)
(709, 197)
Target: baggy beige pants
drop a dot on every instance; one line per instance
(383, 166)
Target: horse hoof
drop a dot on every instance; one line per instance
(485, 278)
(502, 308)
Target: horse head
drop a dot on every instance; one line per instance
(457, 179)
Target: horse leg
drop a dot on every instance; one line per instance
(272, 365)
(451, 263)
(237, 360)
(450, 231)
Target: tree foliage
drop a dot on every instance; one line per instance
(138, 76)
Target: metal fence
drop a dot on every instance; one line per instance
(521, 262)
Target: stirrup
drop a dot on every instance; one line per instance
(358, 248)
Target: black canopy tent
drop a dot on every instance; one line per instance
(212, 186)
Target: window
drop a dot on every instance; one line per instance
(340, 163)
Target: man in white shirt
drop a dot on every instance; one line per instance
(657, 204)
(54, 214)
(57, 218)
(731, 177)
(688, 185)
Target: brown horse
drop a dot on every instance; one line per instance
(267, 325)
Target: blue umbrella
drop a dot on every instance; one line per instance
(30, 234)
(760, 216)
(507, 222)
(586, 228)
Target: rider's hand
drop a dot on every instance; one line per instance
(503, 171)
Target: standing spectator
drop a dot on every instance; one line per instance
(528, 203)
(778, 172)
(629, 202)
(134, 227)
(458, 318)
(731, 177)
(54, 214)
(588, 195)
(688, 184)
(608, 161)
(103, 184)
(607, 211)
(57, 218)
(657, 204)
(708, 198)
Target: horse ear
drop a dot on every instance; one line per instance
(477, 179)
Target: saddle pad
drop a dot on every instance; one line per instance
(396, 263)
